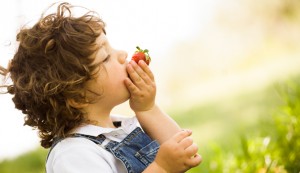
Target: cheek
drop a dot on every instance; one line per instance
(116, 75)
(95, 87)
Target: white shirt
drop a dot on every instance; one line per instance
(80, 155)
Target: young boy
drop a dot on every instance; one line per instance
(67, 79)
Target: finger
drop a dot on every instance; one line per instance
(194, 161)
(186, 142)
(178, 137)
(191, 150)
(131, 87)
(136, 79)
(146, 69)
(139, 70)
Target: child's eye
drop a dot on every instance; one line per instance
(107, 58)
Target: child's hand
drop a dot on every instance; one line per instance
(141, 86)
(178, 154)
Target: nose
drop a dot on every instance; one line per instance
(122, 55)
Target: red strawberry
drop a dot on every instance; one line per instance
(141, 54)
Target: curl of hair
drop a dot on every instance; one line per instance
(52, 63)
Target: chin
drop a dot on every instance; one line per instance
(121, 102)
(125, 98)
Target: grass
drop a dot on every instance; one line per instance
(31, 162)
(219, 126)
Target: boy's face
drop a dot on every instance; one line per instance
(109, 81)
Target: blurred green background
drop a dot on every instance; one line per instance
(252, 132)
(235, 83)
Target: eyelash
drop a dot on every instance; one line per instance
(106, 59)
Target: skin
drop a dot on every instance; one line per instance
(117, 81)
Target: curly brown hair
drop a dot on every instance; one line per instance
(53, 62)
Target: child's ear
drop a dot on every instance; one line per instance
(76, 104)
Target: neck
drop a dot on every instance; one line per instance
(99, 117)
(106, 123)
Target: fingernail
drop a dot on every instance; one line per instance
(187, 130)
(190, 131)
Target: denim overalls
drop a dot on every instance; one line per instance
(136, 151)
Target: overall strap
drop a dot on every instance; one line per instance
(96, 139)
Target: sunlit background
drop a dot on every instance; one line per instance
(202, 51)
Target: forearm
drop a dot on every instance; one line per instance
(157, 124)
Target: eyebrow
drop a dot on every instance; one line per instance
(102, 44)
(103, 41)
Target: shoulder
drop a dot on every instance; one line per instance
(75, 145)
(78, 155)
